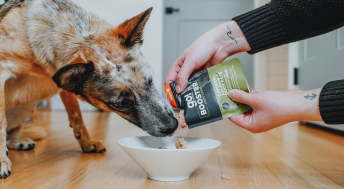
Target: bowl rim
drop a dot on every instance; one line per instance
(217, 145)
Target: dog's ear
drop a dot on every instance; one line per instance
(131, 31)
(78, 59)
(74, 76)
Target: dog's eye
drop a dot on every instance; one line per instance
(123, 104)
(127, 103)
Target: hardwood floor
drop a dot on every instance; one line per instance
(289, 157)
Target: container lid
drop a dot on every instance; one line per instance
(170, 95)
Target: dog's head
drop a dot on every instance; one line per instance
(112, 74)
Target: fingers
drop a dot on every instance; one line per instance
(246, 122)
(242, 97)
(180, 72)
(186, 70)
(173, 72)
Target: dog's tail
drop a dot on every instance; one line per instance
(34, 132)
(7, 6)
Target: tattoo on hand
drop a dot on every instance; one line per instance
(230, 35)
(311, 96)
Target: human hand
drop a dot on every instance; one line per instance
(272, 109)
(211, 48)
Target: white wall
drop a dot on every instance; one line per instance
(117, 11)
(260, 67)
(271, 66)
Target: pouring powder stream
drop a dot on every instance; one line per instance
(182, 131)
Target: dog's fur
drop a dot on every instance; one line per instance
(52, 46)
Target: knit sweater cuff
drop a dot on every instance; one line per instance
(261, 28)
(331, 102)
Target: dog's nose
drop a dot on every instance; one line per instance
(168, 131)
(170, 127)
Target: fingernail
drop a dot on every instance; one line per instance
(178, 89)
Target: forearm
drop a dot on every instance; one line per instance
(326, 104)
(285, 21)
(230, 37)
(306, 107)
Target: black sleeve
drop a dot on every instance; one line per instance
(331, 102)
(284, 21)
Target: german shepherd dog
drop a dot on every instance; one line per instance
(54, 46)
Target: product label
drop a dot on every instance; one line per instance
(206, 100)
(225, 77)
(198, 101)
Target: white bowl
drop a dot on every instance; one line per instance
(162, 161)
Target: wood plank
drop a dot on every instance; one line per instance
(289, 157)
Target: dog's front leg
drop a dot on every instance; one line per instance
(5, 162)
(77, 123)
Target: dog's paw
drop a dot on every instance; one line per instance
(5, 167)
(93, 147)
(21, 144)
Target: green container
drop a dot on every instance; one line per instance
(206, 100)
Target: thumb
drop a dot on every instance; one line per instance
(174, 70)
(182, 78)
(242, 97)
(240, 120)
(245, 122)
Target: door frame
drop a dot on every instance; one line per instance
(293, 63)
